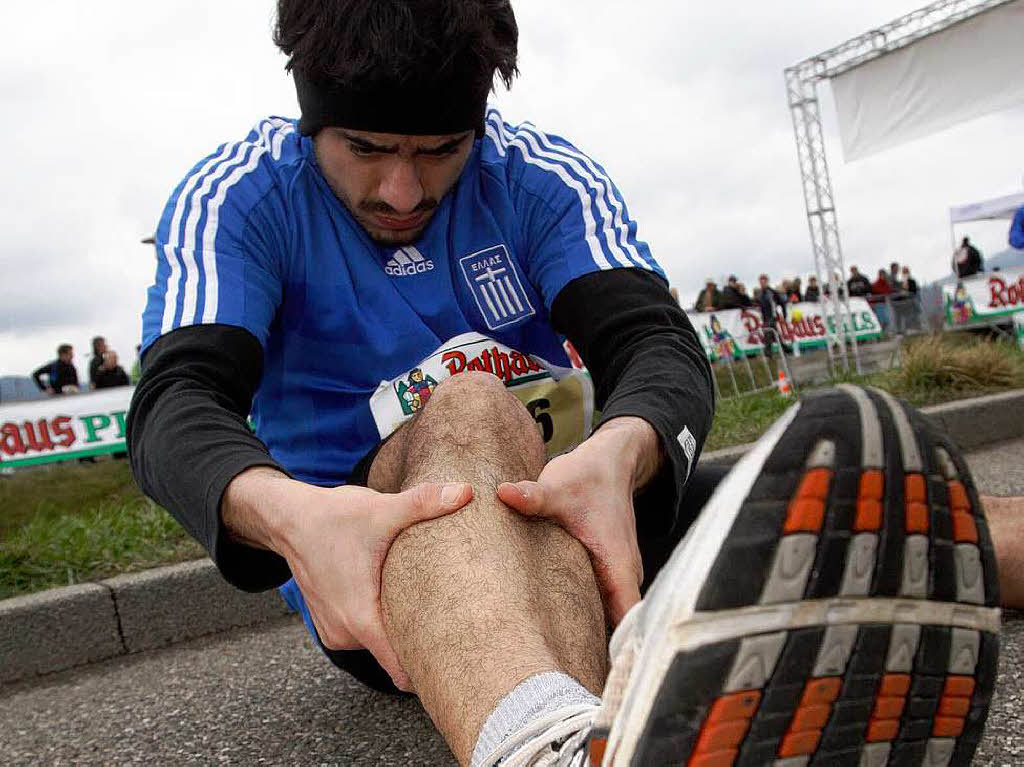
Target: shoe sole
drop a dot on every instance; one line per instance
(835, 604)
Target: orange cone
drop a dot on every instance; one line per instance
(784, 388)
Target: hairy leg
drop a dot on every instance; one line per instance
(477, 602)
(1006, 524)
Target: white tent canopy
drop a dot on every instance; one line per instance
(988, 210)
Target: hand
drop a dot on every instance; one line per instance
(336, 540)
(589, 493)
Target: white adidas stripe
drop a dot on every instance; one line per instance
(499, 136)
(272, 133)
(595, 176)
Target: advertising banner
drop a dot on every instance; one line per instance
(738, 332)
(60, 428)
(994, 296)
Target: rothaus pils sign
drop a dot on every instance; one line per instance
(737, 332)
(64, 427)
(994, 296)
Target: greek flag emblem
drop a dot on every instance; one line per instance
(496, 287)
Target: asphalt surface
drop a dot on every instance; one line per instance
(267, 696)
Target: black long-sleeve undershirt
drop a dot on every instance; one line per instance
(188, 437)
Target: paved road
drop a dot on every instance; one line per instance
(268, 697)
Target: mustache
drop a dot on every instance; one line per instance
(379, 206)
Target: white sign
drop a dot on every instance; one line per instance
(64, 427)
(738, 332)
(984, 297)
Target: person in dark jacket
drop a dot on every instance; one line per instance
(813, 292)
(99, 345)
(62, 378)
(772, 303)
(967, 260)
(733, 296)
(109, 374)
(858, 284)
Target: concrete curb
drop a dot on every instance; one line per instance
(62, 628)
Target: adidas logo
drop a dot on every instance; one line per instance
(407, 261)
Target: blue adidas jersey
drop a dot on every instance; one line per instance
(355, 335)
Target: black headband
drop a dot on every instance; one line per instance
(421, 109)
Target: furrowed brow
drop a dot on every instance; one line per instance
(446, 147)
(369, 145)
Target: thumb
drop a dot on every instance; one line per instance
(429, 501)
(527, 498)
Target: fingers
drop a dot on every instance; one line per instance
(527, 498)
(428, 501)
(370, 632)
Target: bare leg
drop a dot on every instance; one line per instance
(479, 601)
(1006, 524)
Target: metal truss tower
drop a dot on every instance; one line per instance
(802, 88)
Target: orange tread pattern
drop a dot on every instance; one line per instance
(958, 500)
(890, 700)
(916, 500)
(953, 707)
(964, 528)
(723, 730)
(595, 751)
(810, 717)
(869, 502)
(807, 508)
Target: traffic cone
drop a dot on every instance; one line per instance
(784, 388)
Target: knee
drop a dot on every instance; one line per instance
(475, 405)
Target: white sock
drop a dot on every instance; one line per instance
(538, 695)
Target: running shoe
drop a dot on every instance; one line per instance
(835, 604)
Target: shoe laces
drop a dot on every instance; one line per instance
(557, 739)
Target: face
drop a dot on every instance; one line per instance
(763, 281)
(67, 356)
(391, 183)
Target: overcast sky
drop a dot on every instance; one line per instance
(108, 104)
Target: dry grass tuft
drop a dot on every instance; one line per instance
(940, 363)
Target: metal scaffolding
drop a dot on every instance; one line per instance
(802, 88)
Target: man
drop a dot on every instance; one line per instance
(906, 307)
(881, 289)
(813, 292)
(894, 275)
(967, 260)
(858, 284)
(402, 231)
(62, 377)
(772, 303)
(99, 346)
(110, 374)
(732, 296)
(709, 299)
(1017, 230)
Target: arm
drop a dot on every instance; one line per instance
(37, 376)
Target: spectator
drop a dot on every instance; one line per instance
(110, 374)
(880, 290)
(813, 293)
(99, 345)
(709, 298)
(793, 294)
(744, 295)
(62, 378)
(894, 275)
(772, 303)
(732, 297)
(967, 260)
(858, 284)
(905, 305)
(839, 282)
(1017, 230)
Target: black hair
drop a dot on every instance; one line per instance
(96, 344)
(362, 44)
(63, 349)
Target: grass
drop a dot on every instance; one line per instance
(67, 524)
(72, 523)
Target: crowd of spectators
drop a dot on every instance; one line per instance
(60, 376)
(893, 295)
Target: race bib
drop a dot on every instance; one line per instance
(561, 400)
